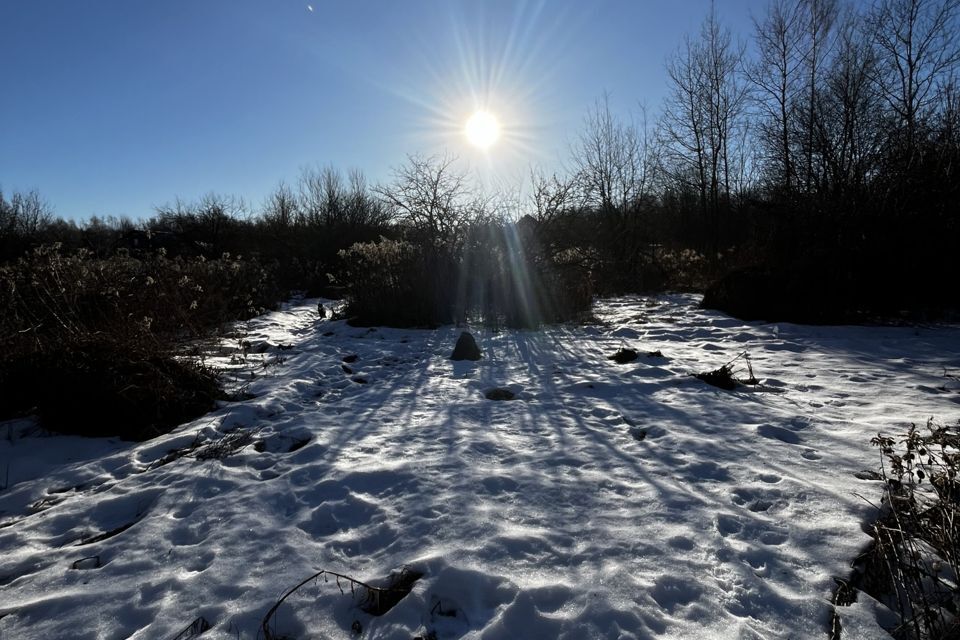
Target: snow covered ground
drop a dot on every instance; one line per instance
(604, 501)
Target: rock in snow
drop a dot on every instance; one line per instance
(466, 348)
(499, 394)
(623, 356)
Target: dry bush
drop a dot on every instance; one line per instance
(398, 283)
(914, 563)
(103, 387)
(88, 343)
(489, 280)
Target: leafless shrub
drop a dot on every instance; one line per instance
(92, 341)
(914, 564)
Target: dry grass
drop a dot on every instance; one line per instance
(90, 345)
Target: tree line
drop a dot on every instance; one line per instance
(809, 165)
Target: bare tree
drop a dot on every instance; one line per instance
(775, 75)
(282, 211)
(685, 121)
(849, 124)
(322, 195)
(611, 160)
(817, 19)
(327, 199)
(704, 119)
(431, 197)
(205, 223)
(551, 196)
(24, 214)
(918, 52)
(950, 117)
(362, 208)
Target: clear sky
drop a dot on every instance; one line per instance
(112, 107)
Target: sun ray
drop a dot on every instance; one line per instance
(503, 72)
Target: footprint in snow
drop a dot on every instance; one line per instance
(200, 562)
(799, 423)
(601, 412)
(774, 537)
(682, 543)
(189, 534)
(758, 501)
(499, 484)
(706, 470)
(341, 515)
(759, 560)
(754, 529)
(778, 433)
(728, 525)
(672, 592)
(279, 443)
(378, 537)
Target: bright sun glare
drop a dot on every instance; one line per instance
(483, 129)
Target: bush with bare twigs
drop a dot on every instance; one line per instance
(89, 344)
(913, 564)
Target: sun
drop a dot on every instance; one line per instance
(482, 129)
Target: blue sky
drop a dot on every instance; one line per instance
(112, 107)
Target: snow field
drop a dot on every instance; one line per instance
(604, 501)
